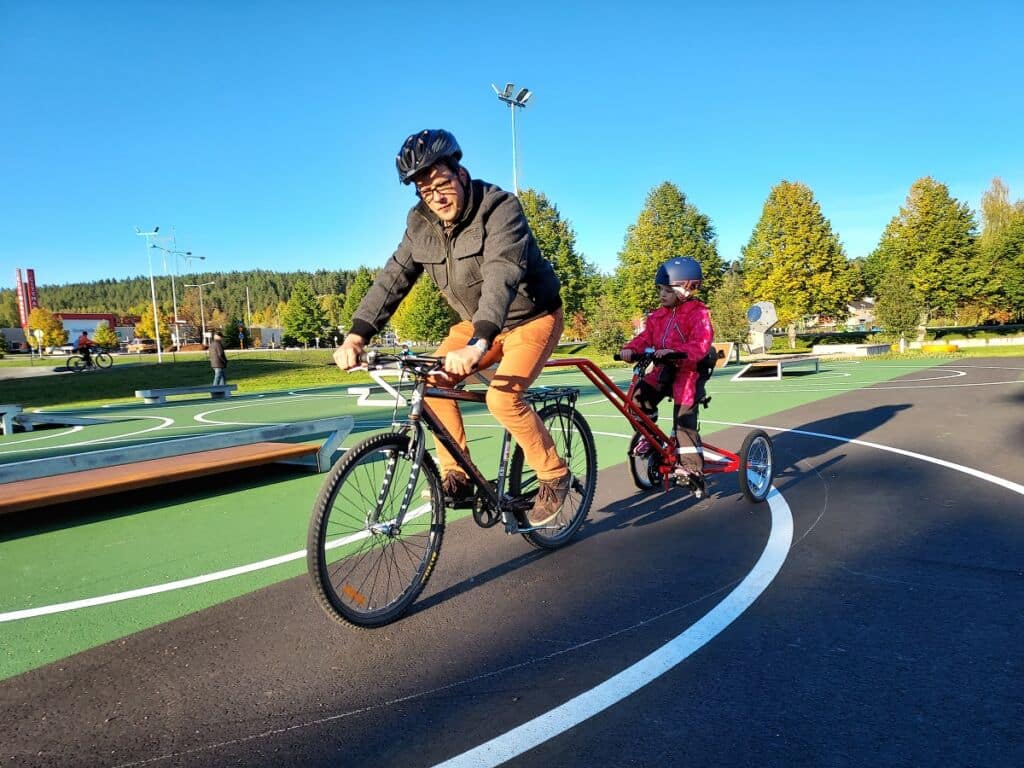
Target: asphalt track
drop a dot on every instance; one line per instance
(885, 594)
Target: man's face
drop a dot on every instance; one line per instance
(440, 189)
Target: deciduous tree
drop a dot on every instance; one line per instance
(46, 321)
(668, 226)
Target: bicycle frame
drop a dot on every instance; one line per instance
(641, 422)
(495, 500)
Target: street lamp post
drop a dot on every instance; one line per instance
(519, 100)
(202, 313)
(187, 255)
(152, 289)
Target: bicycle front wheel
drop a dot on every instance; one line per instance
(103, 360)
(76, 364)
(369, 558)
(575, 444)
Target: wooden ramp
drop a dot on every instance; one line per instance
(56, 479)
(42, 491)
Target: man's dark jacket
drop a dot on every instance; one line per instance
(217, 357)
(491, 240)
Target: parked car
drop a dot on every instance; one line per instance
(139, 346)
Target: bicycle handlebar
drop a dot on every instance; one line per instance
(648, 354)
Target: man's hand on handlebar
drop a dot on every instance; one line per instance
(462, 362)
(347, 355)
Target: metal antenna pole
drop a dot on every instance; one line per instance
(152, 290)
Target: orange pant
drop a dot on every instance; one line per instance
(522, 352)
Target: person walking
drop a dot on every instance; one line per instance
(474, 241)
(218, 360)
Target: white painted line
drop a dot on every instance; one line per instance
(156, 589)
(584, 706)
(1008, 484)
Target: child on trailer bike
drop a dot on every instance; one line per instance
(474, 241)
(681, 324)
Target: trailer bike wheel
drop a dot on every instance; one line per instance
(76, 364)
(757, 466)
(574, 442)
(643, 466)
(103, 360)
(366, 567)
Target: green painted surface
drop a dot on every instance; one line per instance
(123, 545)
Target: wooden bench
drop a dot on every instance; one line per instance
(756, 370)
(56, 479)
(7, 414)
(157, 396)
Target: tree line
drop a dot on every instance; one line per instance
(935, 260)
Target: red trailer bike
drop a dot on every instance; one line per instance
(652, 453)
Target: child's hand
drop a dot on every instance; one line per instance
(663, 352)
(626, 355)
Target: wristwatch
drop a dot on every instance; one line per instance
(479, 343)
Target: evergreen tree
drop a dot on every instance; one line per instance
(557, 241)
(424, 315)
(932, 241)
(668, 226)
(303, 319)
(9, 310)
(728, 307)
(794, 260)
(357, 289)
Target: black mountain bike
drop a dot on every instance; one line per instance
(378, 522)
(99, 359)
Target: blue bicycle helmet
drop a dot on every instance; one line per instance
(423, 149)
(682, 273)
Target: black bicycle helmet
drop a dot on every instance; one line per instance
(423, 149)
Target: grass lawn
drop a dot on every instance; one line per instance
(253, 371)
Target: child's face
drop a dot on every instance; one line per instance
(668, 296)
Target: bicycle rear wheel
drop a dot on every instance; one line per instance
(757, 466)
(366, 568)
(575, 443)
(103, 359)
(644, 463)
(76, 364)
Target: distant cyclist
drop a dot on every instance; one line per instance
(83, 346)
(680, 324)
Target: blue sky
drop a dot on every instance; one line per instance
(265, 133)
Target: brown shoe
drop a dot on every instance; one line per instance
(550, 498)
(457, 489)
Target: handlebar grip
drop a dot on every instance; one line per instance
(616, 357)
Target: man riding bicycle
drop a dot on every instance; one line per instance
(475, 242)
(83, 346)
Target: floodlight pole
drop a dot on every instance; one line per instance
(202, 313)
(519, 100)
(152, 289)
(174, 292)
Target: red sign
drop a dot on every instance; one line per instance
(22, 304)
(33, 295)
